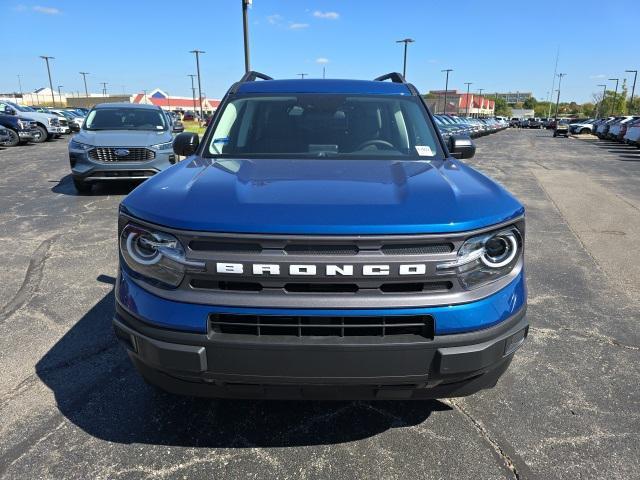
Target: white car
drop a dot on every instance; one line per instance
(582, 127)
(48, 125)
(632, 136)
(616, 127)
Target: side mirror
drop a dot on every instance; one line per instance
(9, 111)
(178, 127)
(186, 144)
(461, 146)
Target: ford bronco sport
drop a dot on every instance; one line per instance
(321, 241)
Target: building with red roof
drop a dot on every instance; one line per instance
(457, 103)
(167, 102)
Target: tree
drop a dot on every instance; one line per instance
(530, 103)
(502, 109)
(589, 109)
(609, 105)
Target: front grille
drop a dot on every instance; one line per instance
(124, 154)
(322, 326)
(426, 249)
(63, 122)
(123, 173)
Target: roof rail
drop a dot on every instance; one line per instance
(251, 76)
(395, 77)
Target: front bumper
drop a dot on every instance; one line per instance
(57, 130)
(213, 364)
(26, 135)
(85, 168)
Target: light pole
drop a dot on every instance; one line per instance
(60, 93)
(104, 88)
(560, 75)
(446, 88)
(615, 94)
(193, 92)
(84, 77)
(302, 75)
(245, 29)
(46, 59)
(20, 85)
(468, 84)
(633, 88)
(324, 72)
(601, 104)
(406, 41)
(197, 54)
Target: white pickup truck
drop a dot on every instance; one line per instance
(48, 125)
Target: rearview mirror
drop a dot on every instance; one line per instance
(186, 144)
(9, 111)
(461, 146)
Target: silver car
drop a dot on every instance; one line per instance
(120, 141)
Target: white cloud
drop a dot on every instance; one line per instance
(274, 19)
(298, 26)
(46, 10)
(322, 60)
(326, 15)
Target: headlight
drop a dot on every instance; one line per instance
(23, 125)
(163, 146)
(54, 121)
(73, 145)
(157, 256)
(486, 258)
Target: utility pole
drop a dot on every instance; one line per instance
(406, 41)
(468, 84)
(324, 73)
(633, 89)
(601, 104)
(560, 75)
(84, 77)
(615, 95)
(20, 85)
(197, 54)
(446, 88)
(302, 75)
(104, 88)
(60, 93)
(46, 59)
(245, 29)
(193, 92)
(553, 84)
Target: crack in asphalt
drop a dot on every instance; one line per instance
(31, 280)
(511, 460)
(590, 335)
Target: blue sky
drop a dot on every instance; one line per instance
(497, 45)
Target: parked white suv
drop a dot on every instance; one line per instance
(47, 125)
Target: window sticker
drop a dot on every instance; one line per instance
(424, 151)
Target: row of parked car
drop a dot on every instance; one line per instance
(20, 124)
(624, 129)
(474, 127)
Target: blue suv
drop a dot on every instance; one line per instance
(321, 241)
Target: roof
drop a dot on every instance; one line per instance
(362, 87)
(126, 105)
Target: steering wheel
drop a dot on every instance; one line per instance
(376, 142)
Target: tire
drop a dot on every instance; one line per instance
(585, 130)
(14, 139)
(41, 134)
(81, 185)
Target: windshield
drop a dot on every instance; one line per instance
(126, 119)
(21, 108)
(326, 125)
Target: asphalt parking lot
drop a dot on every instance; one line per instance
(71, 405)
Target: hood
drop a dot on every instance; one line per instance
(122, 138)
(322, 197)
(39, 116)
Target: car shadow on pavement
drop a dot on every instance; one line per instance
(98, 390)
(65, 187)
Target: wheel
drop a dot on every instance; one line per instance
(40, 134)
(81, 185)
(585, 130)
(14, 138)
(554, 135)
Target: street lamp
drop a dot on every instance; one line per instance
(46, 59)
(633, 89)
(302, 75)
(245, 29)
(615, 94)
(468, 84)
(20, 85)
(446, 87)
(104, 88)
(193, 92)
(560, 75)
(84, 77)
(60, 93)
(601, 104)
(406, 41)
(197, 54)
